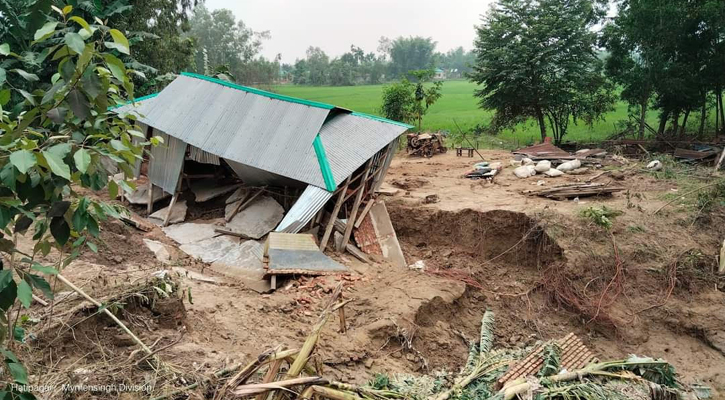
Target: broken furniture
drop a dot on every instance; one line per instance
(459, 151)
(296, 254)
(573, 190)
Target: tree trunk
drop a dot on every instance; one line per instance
(684, 122)
(722, 112)
(676, 122)
(643, 117)
(663, 122)
(542, 123)
(703, 117)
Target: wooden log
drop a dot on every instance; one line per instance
(356, 205)
(257, 388)
(333, 217)
(171, 207)
(364, 212)
(719, 161)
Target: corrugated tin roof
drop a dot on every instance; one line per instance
(167, 160)
(278, 134)
(305, 208)
(231, 123)
(350, 140)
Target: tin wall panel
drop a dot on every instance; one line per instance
(166, 162)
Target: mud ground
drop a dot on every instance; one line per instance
(535, 262)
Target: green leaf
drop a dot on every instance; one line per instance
(116, 66)
(29, 97)
(22, 224)
(4, 49)
(18, 372)
(60, 230)
(8, 296)
(121, 41)
(41, 284)
(25, 294)
(92, 246)
(78, 102)
(82, 159)
(23, 160)
(92, 84)
(50, 94)
(56, 164)
(58, 209)
(112, 189)
(75, 42)
(2, 76)
(67, 10)
(6, 276)
(93, 226)
(45, 32)
(82, 22)
(26, 75)
(57, 114)
(19, 334)
(44, 269)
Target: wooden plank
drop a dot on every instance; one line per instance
(171, 207)
(150, 205)
(331, 222)
(355, 206)
(226, 231)
(365, 210)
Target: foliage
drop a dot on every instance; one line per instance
(399, 101)
(424, 97)
(54, 134)
(602, 216)
(411, 54)
(456, 62)
(668, 53)
(485, 343)
(538, 60)
(352, 68)
(552, 360)
(227, 47)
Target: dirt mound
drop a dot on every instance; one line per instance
(409, 183)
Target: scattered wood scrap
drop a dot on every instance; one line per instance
(573, 190)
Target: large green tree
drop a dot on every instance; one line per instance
(537, 59)
(409, 54)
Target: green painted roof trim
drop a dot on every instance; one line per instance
(260, 92)
(324, 164)
(142, 98)
(381, 119)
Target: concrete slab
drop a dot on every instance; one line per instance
(159, 249)
(386, 235)
(207, 189)
(258, 219)
(178, 214)
(140, 196)
(237, 195)
(211, 249)
(190, 232)
(230, 207)
(241, 261)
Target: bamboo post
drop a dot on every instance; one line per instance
(150, 205)
(175, 197)
(333, 216)
(364, 212)
(105, 310)
(719, 161)
(270, 375)
(356, 205)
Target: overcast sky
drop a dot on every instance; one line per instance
(334, 25)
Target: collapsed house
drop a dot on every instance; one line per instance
(304, 153)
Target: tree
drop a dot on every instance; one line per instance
(457, 62)
(317, 63)
(538, 60)
(409, 54)
(53, 136)
(424, 97)
(398, 101)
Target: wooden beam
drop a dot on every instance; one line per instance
(227, 231)
(351, 218)
(177, 191)
(150, 205)
(243, 205)
(365, 210)
(333, 216)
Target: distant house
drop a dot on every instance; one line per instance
(439, 74)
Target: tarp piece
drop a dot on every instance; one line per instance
(298, 254)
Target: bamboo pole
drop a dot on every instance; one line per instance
(193, 386)
(258, 388)
(356, 205)
(105, 310)
(333, 216)
(243, 205)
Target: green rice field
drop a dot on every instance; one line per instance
(456, 104)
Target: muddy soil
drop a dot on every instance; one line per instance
(483, 246)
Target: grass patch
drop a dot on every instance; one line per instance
(601, 216)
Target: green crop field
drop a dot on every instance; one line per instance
(456, 104)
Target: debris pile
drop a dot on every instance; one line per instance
(546, 370)
(574, 190)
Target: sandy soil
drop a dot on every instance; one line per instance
(484, 246)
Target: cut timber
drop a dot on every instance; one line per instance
(575, 190)
(298, 254)
(694, 154)
(230, 213)
(207, 189)
(335, 211)
(258, 219)
(364, 212)
(355, 206)
(226, 231)
(352, 249)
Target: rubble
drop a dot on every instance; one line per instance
(159, 249)
(178, 214)
(207, 189)
(575, 190)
